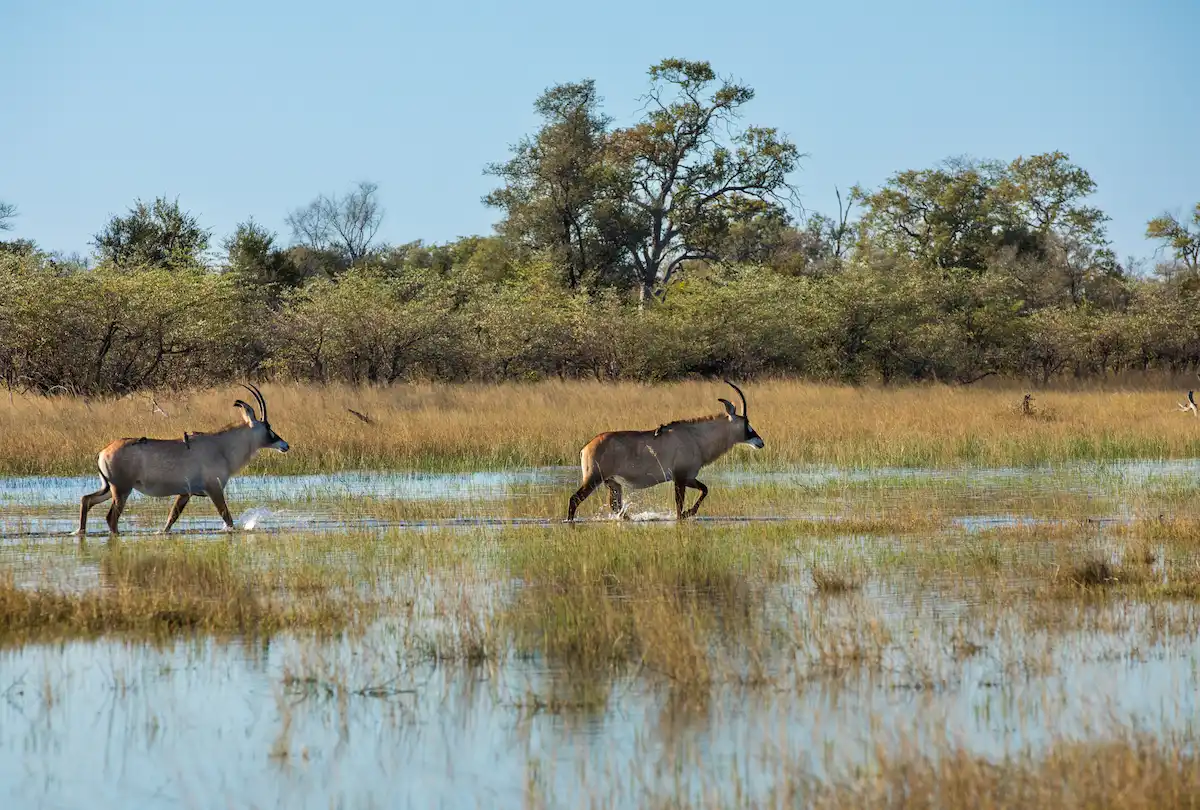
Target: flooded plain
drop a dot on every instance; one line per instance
(419, 640)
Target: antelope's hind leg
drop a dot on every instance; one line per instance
(616, 500)
(176, 510)
(118, 506)
(581, 495)
(87, 502)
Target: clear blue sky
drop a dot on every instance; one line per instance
(252, 108)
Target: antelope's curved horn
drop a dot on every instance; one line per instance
(239, 403)
(740, 394)
(262, 403)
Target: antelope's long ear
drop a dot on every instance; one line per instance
(729, 408)
(247, 412)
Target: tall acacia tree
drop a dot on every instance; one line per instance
(693, 176)
(962, 213)
(944, 217)
(637, 203)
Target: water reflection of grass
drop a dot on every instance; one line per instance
(511, 426)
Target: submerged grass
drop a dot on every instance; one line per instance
(472, 427)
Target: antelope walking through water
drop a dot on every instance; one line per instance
(197, 464)
(637, 459)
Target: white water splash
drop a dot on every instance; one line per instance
(650, 515)
(252, 518)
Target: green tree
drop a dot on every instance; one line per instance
(1179, 236)
(1046, 193)
(693, 177)
(251, 254)
(160, 234)
(1046, 213)
(943, 217)
(974, 214)
(560, 193)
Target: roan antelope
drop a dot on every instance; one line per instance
(197, 464)
(637, 459)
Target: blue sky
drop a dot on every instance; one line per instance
(253, 108)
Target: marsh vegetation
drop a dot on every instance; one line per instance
(828, 635)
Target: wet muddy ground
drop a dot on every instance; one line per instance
(898, 609)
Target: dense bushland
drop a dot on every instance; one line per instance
(107, 331)
(657, 251)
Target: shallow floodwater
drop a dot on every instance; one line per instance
(353, 722)
(41, 508)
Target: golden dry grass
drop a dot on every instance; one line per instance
(519, 426)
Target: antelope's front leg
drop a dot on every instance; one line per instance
(217, 494)
(694, 484)
(176, 511)
(680, 494)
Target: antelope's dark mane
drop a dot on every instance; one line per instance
(223, 429)
(693, 421)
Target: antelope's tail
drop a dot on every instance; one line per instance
(102, 468)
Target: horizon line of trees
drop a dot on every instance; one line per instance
(671, 247)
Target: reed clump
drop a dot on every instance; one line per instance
(608, 597)
(159, 592)
(510, 425)
(1131, 772)
(836, 579)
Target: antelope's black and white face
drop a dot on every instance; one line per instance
(268, 439)
(749, 435)
(752, 437)
(273, 440)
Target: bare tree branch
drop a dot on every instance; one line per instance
(344, 225)
(7, 212)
